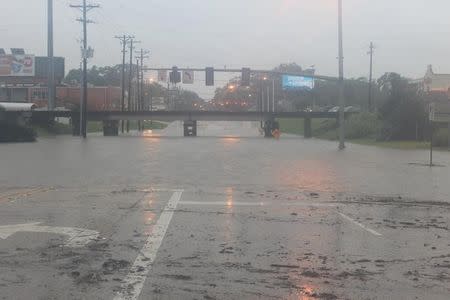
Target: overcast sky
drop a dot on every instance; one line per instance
(408, 34)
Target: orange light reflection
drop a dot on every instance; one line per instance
(313, 175)
(150, 133)
(307, 291)
(229, 197)
(229, 139)
(149, 215)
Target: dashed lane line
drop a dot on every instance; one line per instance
(360, 225)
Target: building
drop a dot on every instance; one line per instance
(24, 77)
(19, 71)
(99, 98)
(436, 86)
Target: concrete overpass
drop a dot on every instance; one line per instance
(111, 119)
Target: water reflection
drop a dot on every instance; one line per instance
(149, 214)
(229, 197)
(308, 292)
(313, 175)
(150, 133)
(229, 224)
(230, 140)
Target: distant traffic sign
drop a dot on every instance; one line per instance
(188, 77)
(162, 75)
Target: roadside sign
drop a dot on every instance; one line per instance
(162, 76)
(188, 77)
(440, 112)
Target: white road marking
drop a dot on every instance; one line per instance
(223, 203)
(154, 190)
(133, 283)
(78, 237)
(360, 225)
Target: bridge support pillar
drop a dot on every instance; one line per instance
(269, 127)
(110, 128)
(307, 127)
(190, 128)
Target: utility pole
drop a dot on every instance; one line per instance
(84, 9)
(144, 55)
(130, 79)
(273, 95)
(137, 97)
(124, 40)
(51, 67)
(140, 82)
(341, 79)
(371, 50)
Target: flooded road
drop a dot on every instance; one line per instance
(226, 215)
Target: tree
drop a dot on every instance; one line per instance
(185, 100)
(97, 76)
(323, 95)
(112, 76)
(404, 113)
(288, 68)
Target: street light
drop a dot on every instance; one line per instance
(51, 67)
(341, 79)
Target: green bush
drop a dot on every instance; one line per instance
(362, 125)
(10, 132)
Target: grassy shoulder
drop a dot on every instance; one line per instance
(92, 127)
(322, 128)
(55, 129)
(403, 145)
(327, 129)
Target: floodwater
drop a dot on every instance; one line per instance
(226, 215)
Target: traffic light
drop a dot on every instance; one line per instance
(245, 80)
(175, 76)
(209, 76)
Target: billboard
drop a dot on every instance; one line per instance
(297, 82)
(17, 65)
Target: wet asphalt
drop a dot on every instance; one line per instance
(226, 215)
